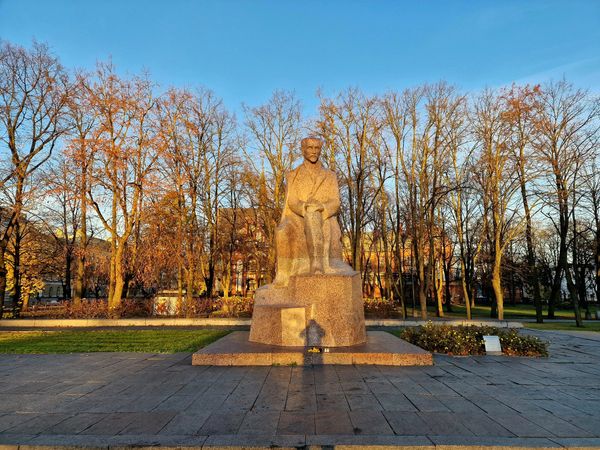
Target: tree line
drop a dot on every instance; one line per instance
(110, 180)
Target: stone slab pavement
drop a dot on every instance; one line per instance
(144, 400)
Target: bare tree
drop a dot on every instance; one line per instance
(33, 98)
(350, 126)
(498, 183)
(123, 142)
(274, 130)
(82, 123)
(567, 127)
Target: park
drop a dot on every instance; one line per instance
(245, 249)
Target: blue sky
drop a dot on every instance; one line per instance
(243, 50)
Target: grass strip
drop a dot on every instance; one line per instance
(562, 326)
(145, 341)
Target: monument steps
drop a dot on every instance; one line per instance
(381, 348)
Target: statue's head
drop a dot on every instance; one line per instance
(311, 148)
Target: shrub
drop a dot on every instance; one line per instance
(202, 306)
(90, 309)
(380, 308)
(86, 309)
(135, 308)
(235, 306)
(468, 340)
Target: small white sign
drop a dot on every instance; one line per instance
(492, 345)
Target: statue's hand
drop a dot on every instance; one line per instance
(312, 206)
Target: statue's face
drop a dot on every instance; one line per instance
(311, 149)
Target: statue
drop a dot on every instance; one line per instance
(316, 298)
(308, 238)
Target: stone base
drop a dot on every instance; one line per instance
(321, 310)
(381, 348)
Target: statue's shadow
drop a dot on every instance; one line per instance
(313, 335)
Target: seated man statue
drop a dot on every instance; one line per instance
(308, 238)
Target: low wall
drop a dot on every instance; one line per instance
(220, 322)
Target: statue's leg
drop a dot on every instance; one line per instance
(284, 250)
(326, 245)
(313, 228)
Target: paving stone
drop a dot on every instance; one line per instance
(14, 441)
(38, 424)
(246, 441)
(483, 425)
(186, 423)
(8, 421)
(479, 442)
(149, 442)
(556, 407)
(373, 441)
(148, 423)
(363, 401)
(75, 424)
(112, 424)
(426, 402)
(260, 422)
(578, 443)
(460, 405)
(333, 422)
(272, 399)
(491, 405)
(520, 426)
(369, 422)
(407, 423)
(332, 387)
(395, 402)
(557, 426)
(175, 403)
(296, 423)
(445, 423)
(68, 440)
(223, 422)
(332, 401)
(301, 401)
(591, 424)
(208, 402)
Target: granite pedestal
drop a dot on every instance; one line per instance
(381, 348)
(313, 310)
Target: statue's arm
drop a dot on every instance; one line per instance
(331, 206)
(294, 203)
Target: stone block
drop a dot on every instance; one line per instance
(381, 348)
(293, 321)
(317, 310)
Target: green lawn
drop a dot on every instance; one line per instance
(147, 341)
(588, 326)
(510, 312)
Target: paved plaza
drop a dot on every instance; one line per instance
(134, 399)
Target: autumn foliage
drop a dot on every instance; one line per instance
(120, 191)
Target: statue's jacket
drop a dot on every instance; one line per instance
(303, 184)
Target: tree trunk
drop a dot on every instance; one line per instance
(2, 282)
(597, 259)
(179, 287)
(68, 265)
(532, 272)
(189, 291)
(465, 287)
(422, 289)
(447, 293)
(438, 287)
(115, 299)
(79, 291)
(497, 284)
(17, 300)
(574, 301)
